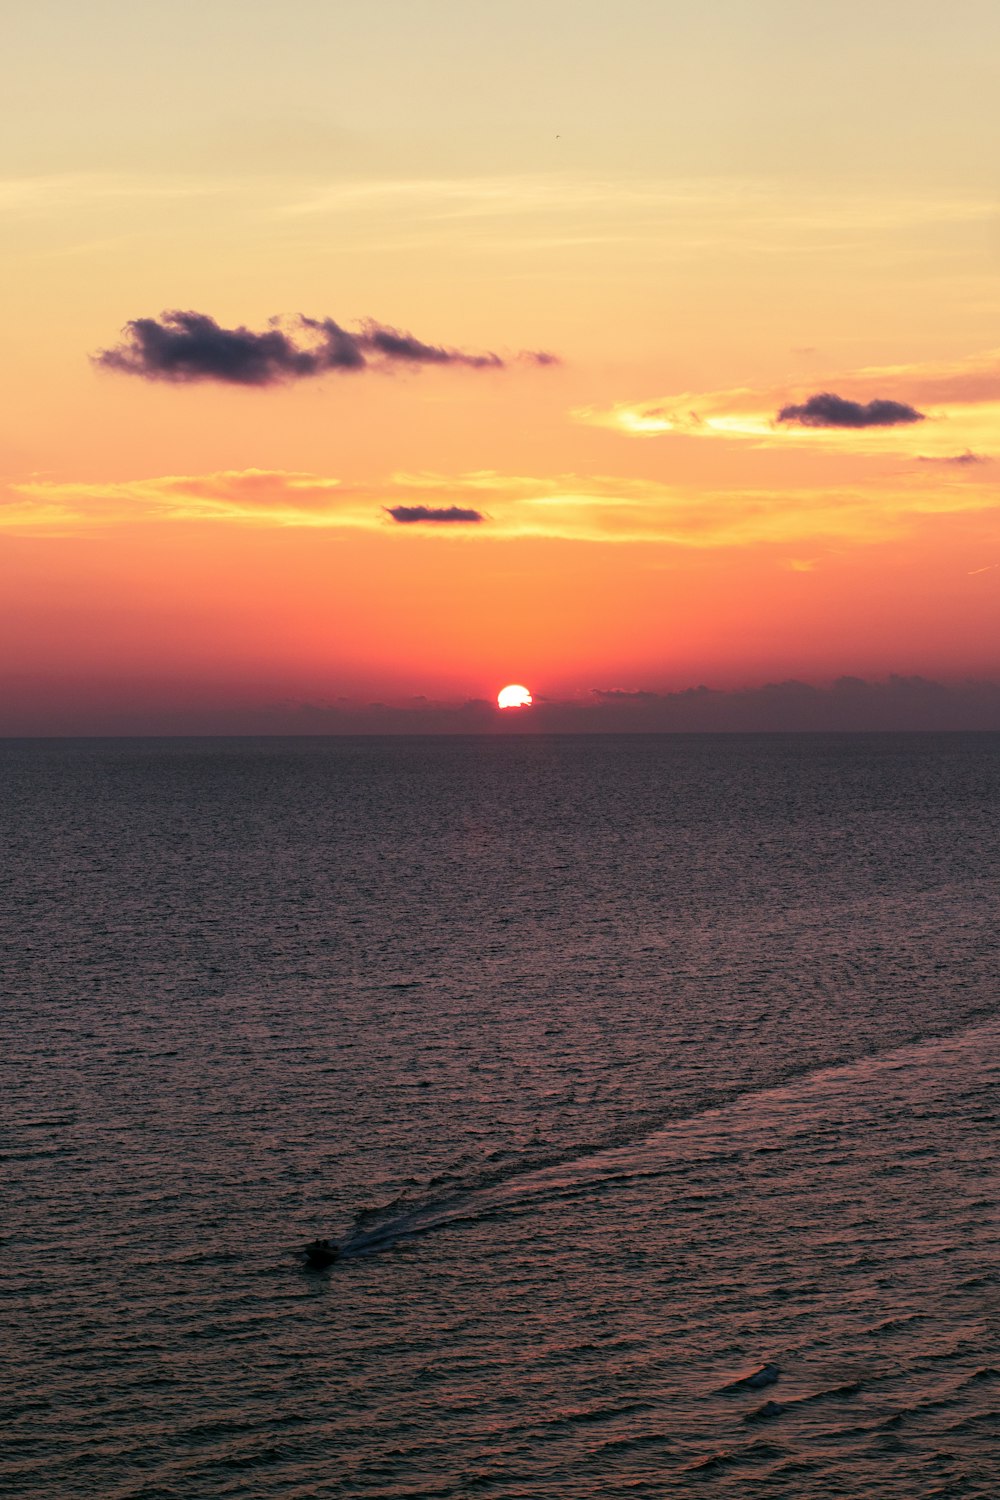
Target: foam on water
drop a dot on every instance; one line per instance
(811, 1101)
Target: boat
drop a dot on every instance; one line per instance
(320, 1254)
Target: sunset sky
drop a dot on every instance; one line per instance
(383, 349)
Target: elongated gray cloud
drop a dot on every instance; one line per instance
(407, 515)
(185, 347)
(828, 410)
(963, 460)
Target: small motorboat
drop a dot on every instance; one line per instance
(320, 1254)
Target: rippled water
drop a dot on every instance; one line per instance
(619, 1067)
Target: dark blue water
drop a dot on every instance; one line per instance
(619, 1067)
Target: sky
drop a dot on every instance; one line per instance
(385, 352)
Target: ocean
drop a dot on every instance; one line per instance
(620, 1069)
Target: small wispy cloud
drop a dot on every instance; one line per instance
(962, 460)
(252, 496)
(187, 347)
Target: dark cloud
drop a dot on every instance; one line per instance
(185, 346)
(338, 349)
(393, 344)
(190, 346)
(968, 457)
(828, 410)
(408, 514)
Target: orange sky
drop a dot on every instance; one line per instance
(710, 215)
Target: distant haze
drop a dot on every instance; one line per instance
(849, 704)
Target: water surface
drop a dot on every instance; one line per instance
(620, 1066)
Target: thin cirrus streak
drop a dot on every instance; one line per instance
(762, 204)
(697, 209)
(514, 213)
(962, 460)
(567, 507)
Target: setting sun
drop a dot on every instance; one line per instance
(514, 696)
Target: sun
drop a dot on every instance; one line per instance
(514, 696)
